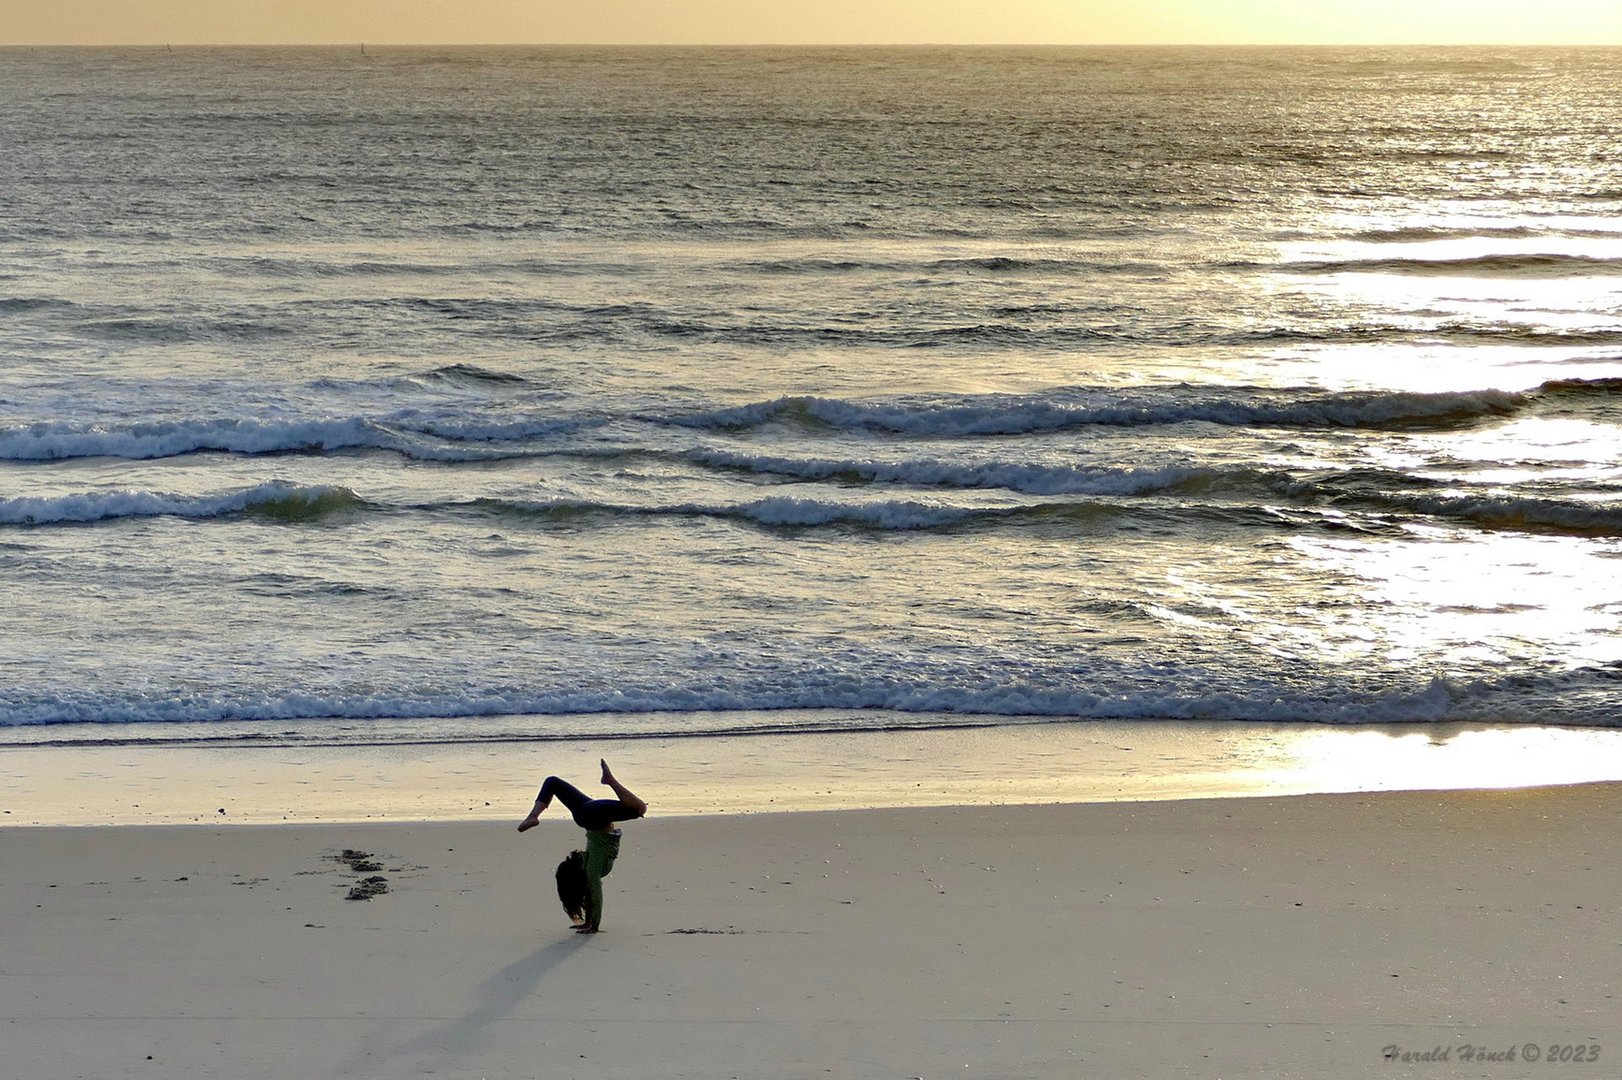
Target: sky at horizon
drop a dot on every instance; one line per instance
(743, 22)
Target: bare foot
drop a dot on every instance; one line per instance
(535, 813)
(608, 777)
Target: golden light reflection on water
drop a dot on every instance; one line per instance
(1537, 448)
(1476, 599)
(1473, 304)
(1511, 568)
(1340, 760)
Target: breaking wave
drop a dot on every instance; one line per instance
(829, 700)
(276, 500)
(161, 439)
(472, 436)
(1026, 415)
(1011, 476)
(421, 437)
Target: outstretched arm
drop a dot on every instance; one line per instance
(625, 794)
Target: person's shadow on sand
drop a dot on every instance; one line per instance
(499, 995)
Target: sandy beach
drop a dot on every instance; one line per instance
(1311, 936)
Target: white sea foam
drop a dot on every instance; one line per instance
(439, 436)
(409, 433)
(902, 514)
(294, 500)
(987, 699)
(160, 439)
(837, 702)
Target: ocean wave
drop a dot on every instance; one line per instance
(276, 499)
(1326, 487)
(458, 432)
(481, 430)
(455, 376)
(1385, 492)
(1012, 476)
(875, 335)
(295, 502)
(819, 265)
(778, 512)
(1377, 491)
(309, 266)
(1008, 264)
(470, 373)
(1540, 265)
(161, 439)
(179, 329)
(409, 433)
(1364, 333)
(827, 701)
(1606, 389)
(1563, 516)
(994, 264)
(1228, 406)
(12, 305)
(1233, 407)
(1419, 234)
(992, 704)
(1066, 517)
(1321, 501)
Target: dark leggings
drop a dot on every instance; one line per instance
(588, 813)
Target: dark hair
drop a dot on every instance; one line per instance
(572, 885)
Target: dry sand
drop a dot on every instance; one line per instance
(1226, 938)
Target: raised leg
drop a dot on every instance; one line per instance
(565, 792)
(625, 794)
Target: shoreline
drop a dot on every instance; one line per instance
(1048, 763)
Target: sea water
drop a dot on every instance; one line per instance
(464, 394)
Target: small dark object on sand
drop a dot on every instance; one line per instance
(368, 888)
(359, 861)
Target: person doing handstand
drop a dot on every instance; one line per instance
(597, 817)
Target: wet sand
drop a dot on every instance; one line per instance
(1036, 763)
